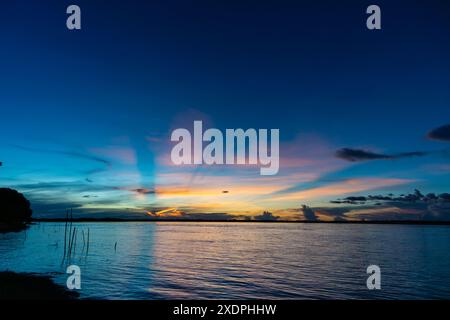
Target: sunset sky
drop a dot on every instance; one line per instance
(86, 116)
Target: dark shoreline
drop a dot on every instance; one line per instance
(13, 226)
(393, 222)
(31, 286)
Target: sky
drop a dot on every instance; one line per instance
(86, 115)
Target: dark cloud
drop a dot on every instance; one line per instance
(308, 213)
(79, 186)
(410, 154)
(338, 213)
(445, 196)
(441, 133)
(358, 155)
(359, 198)
(351, 200)
(72, 154)
(412, 206)
(379, 197)
(355, 155)
(67, 153)
(412, 197)
(143, 191)
(438, 211)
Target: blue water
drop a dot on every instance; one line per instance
(239, 260)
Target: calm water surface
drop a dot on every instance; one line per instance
(239, 260)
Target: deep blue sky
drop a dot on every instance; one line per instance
(310, 68)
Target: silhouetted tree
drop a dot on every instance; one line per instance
(14, 207)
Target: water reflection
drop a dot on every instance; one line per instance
(240, 260)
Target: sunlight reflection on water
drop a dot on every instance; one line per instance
(240, 260)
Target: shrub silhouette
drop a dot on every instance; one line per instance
(14, 207)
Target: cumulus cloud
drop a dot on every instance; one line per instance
(412, 206)
(411, 197)
(355, 155)
(308, 213)
(441, 133)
